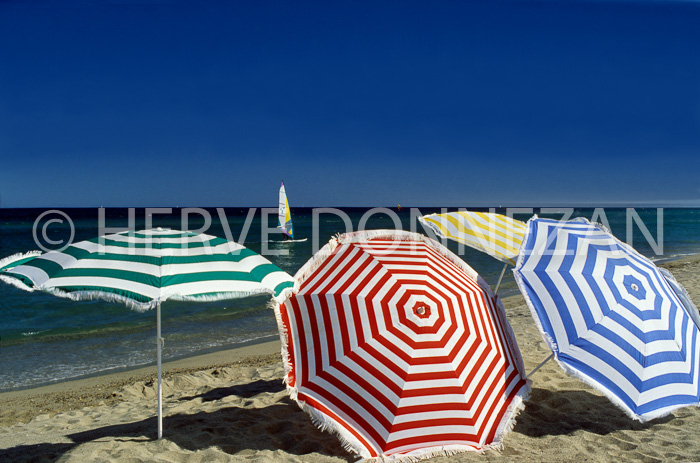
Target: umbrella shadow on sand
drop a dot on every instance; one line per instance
(283, 426)
(231, 429)
(244, 391)
(555, 413)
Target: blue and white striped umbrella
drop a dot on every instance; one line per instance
(611, 317)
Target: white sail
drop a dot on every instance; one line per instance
(285, 216)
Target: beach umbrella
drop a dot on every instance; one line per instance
(611, 317)
(396, 345)
(143, 269)
(498, 235)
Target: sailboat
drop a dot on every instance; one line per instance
(285, 217)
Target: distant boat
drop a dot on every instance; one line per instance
(285, 215)
(285, 219)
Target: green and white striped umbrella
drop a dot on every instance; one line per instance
(147, 267)
(143, 269)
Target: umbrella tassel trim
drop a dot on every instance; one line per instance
(301, 275)
(512, 412)
(104, 296)
(432, 452)
(284, 338)
(325, 424)
(351, 445)
(220, 296)
(594, 384)
(11, 279)
(16, 283)
(21, 255)
(660, 413)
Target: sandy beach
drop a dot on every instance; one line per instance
(231, 406)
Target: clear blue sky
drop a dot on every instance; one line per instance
(451, 103)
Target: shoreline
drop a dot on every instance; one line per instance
(127, 369)
(19, 406)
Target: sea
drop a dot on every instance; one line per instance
(45, 339)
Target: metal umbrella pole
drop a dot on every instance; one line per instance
(503, 272)
(540, 365)
(159, 344)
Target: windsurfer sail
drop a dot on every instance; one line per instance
(285, 216)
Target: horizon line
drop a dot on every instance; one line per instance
(500, 206)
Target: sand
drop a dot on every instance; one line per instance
(232, 406)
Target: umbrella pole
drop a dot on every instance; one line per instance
(503, 272)
(540, 365)
(159, 343)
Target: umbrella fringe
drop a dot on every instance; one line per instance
(353, 446)
(302, 274)
(616, 400)
(435, 229)
(430, 452)
(20, 255)
(284, 341)
(17, 283)
(594, 384)
(325, 424)
(130, 303)
(218, 296)
(11, 279)
(512, 412)
(102, 295)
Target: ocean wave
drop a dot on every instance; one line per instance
(33, 333)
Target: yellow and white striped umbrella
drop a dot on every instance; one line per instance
(495, 234)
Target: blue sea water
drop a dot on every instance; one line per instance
(44, 339)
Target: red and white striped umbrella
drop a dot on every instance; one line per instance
(400, 348)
